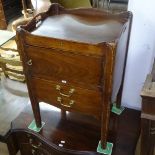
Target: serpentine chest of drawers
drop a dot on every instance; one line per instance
(69, 59)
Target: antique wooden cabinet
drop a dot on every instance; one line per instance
(8, 10)
(148, 115)
(71, 58)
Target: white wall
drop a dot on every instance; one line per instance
(141, 50)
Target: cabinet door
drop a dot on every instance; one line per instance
(57, 65)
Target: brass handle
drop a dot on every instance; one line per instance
(33, 152)
(71, 91)
(59, 99)
(33, 145)
(29, 62)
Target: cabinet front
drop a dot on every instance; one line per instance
(56, 65)
(68, 97)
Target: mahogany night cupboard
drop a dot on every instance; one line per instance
(75, 60)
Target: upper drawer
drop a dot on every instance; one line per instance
(51, 64)
(68, 97)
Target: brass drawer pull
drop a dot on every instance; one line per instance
(71, 91)
(29, 62)
(33, 152)
(59, 99)
(33, 145)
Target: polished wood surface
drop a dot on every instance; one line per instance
(88, 29)
(80, 133)
(73, 67)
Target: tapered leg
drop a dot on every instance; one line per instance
(105, 124)
(119, 96)
(36, 111)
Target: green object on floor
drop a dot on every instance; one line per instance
(108, 149)
(33, 126)
(116, 110)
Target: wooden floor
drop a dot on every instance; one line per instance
(126, 136)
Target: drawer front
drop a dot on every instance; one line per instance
(56, 65)
(32, 145)
(68, 97)
(27, 149)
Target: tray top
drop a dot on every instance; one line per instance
(88, 29)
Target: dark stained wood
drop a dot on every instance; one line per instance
(3, 24)
(78, 56)
(80, 133)
(126, 133)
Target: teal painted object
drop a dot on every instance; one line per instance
(116, 110)
(33, 126)
(108, 149)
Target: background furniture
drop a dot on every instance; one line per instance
(81, 60)
(32, 7)
(117, 1)
(8, 10)
(9, 57)
(148, 115)
(73, 4)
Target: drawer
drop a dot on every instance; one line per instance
(27, 149)
(32, 145)
(68, 97)
(56, 65)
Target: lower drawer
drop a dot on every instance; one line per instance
(31, 145)
(27, 149)
(68, 97)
